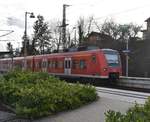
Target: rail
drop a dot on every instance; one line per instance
(136, 82)
(126, 93)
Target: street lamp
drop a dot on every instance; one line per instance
(126, 52)
(25, 36)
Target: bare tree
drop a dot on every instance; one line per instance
(109, 27)
(56, 32)
(10, 49)
(120, 32)
(90, 20)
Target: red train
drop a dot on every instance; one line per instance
(99, 63)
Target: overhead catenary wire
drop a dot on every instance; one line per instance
(119, 12)
(9, 32)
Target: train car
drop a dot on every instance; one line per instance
(99, 63)
(5, 65)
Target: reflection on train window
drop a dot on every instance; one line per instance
(94, 59)
(82, 64)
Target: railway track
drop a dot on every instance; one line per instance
(132, 84)
(136, 82)
(125, 93)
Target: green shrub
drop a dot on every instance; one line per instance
(138, 113)
(39, 94)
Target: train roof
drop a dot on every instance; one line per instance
(64, 53)
(16, 58)
(106, 49)
(70, 53)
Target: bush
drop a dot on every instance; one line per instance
(137, 113)
(39, 94)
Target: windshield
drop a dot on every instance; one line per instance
(112, 59)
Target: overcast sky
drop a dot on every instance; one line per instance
(13, 11)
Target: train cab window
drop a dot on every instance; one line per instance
(94, 59)
(82, 64)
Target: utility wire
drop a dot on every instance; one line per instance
(7, 40)
(10, 31)
(124, 11)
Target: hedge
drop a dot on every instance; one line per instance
(138, 113)
(35, 95)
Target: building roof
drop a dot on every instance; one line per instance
(100, 34)
(147, 20)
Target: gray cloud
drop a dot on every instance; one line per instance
(12, 21)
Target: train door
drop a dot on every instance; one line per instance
(67, 66)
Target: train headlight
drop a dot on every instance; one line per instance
(105, 69)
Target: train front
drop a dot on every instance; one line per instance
(114, 63)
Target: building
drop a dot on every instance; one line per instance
(146, 33)
(98, 39)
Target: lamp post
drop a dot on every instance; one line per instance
(126, 52)
(127, 58)
(25, 36)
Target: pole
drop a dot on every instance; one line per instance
(25, 37)
(75, 35)
(25, 41)
(64, 26)
(127, 63)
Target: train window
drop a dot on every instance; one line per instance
(50, 64)
(69, 64)
(60, 64)
(66, 64)
(53, 64)
(44, 64)
(36, 65)
(74, 64)
(28, 64)
(56, 64)
(40, 64)
(94, 59)
(82, 64)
